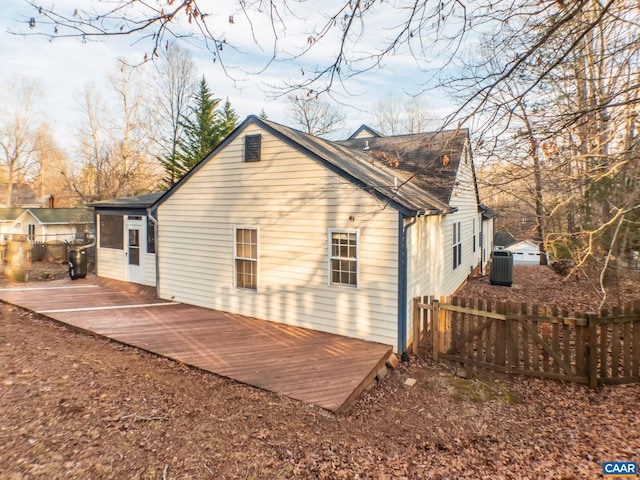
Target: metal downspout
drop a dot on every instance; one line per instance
(155, 226)
(402, 284)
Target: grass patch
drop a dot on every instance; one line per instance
(476, 390)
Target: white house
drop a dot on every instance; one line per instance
(525, 253)
(44, 225)
(332, 236)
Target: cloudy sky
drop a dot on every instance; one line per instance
(64, 67)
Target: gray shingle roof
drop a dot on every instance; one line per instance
(139, 201)
(10, 214)
(368, 170)
(432, 158)
(62, 216)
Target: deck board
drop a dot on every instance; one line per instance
(314, 367)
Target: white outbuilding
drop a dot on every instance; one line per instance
(525, 253)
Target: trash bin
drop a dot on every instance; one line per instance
(77, 263)
(501, 268)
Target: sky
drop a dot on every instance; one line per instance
(64, 66)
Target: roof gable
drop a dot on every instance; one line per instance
(377, 176)
(524, 245)
(365, 131)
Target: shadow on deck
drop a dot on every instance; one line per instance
(326, 370)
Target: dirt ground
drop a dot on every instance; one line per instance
(73, 406)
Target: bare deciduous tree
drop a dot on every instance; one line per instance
(175, 80)
(17, 132)
(116, 149)
(396, 114)
(52, 164)
(314, 115)
(388, 113)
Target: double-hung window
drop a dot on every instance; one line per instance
(343, 257)
(31, 232)
(457, 244)
(246, 258)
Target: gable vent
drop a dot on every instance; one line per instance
(252, 148)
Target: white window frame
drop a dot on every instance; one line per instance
(456, 247)
(31, 232)
(235, 257)
(330, 257)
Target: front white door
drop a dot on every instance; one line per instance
(136, 249)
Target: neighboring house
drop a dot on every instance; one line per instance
(47, 224)
(503, 239)
(333, 236)
(525, 253)
(8, 217)
(126, 246)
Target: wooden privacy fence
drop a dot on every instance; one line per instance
(591, 348)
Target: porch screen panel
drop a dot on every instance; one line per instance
(111, 232)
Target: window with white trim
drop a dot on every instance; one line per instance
(343, 257)
(457, 244)
(246, 258)
(31, 232)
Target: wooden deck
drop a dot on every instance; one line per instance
(319, 368)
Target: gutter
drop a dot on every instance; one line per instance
(402, 284)
(155, 226)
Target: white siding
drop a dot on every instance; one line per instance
(44, 233)
(60, 233)
(487, 245)
(294, 201)
(110, 263)
(525, 253)
(364, 134)
(424, 261)
(464, 199)
(149, 269)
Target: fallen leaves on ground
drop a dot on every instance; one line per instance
(76, 406)
(540, 285)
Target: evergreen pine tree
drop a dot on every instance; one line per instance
(202, 129)
(228, 120)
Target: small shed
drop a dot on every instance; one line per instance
(126, 239)
(525, 253)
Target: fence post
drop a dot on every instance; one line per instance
(444, 321)
(435, 329)
(416, 324)
(501, 335)
(592, 350)
(513, 347)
